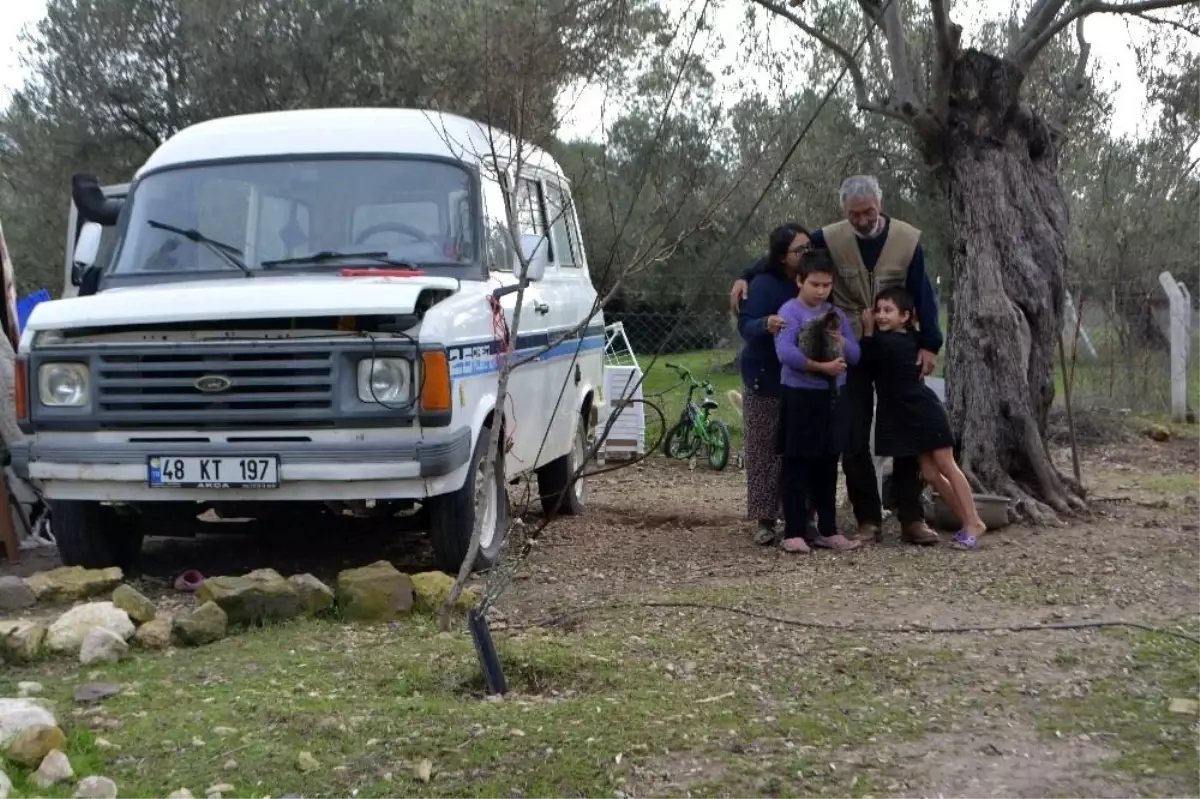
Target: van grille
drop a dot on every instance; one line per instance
(272, 385)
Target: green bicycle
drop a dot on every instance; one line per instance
(696, 428)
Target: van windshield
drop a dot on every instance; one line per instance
(189, 220)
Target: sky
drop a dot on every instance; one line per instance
(586, 110)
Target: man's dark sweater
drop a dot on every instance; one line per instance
(917, 283)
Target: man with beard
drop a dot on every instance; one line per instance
(871, 252)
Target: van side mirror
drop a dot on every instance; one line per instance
(535, 249)
(89, 199)
(87, 247)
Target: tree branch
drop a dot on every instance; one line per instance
(887, 16)
(1039, 18)
(947, 35)
(893, 28)
(1168, 22)
(862, 98)
(890, 20)
(1076, 79)
(1033, 40)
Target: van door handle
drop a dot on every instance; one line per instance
(541, 307)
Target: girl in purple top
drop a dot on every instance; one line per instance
(808, 437)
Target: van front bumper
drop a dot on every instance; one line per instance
(77, 466)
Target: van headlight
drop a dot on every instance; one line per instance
(63, 385)
(387, 381)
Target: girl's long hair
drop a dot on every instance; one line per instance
(780, 240)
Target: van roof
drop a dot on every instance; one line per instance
(340, 130)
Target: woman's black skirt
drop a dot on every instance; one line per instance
(808, 423)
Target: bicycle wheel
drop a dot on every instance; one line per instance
(718, 447)
(681, 443)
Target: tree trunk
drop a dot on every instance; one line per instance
(9, 431)
(1009, 224)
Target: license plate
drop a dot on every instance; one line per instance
(171, 471)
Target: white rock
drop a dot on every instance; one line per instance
(68, 630)
(5, 785)
(19, 714)
(29, 688)
(96, 788)
(182, 793)
(101, 645)
(55, 768)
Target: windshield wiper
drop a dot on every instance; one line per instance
(231, 254)
(330, 255)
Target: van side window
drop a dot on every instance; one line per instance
(531, 213)
(562, 225)
(499, 253)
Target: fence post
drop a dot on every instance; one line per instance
(1187, 349)
(1179, 324)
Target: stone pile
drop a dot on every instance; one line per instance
(102, 630)
(111, 615)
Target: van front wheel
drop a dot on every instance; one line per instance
(562, 493)
(452, 516)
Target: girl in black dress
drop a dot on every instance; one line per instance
(910, 420)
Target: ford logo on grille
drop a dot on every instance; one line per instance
(212, 384)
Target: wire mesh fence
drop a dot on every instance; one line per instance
(1116, 344)
(671, 332)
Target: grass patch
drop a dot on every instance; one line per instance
(592, 714)
(663, 387)
(1034, 590)
(1129, 709)
(1170, 484)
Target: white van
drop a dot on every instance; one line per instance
(302, 312)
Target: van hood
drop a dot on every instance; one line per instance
(241, 298)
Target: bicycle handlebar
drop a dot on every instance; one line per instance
(685, 374)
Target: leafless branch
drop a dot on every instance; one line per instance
(1033, 40)
(1077, 77)
(889, 17)
(1039, 18)
(861, 94)
(1170, 23)
(947, 35)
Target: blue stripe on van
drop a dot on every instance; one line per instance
(482, 357)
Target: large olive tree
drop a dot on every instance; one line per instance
(996, 156)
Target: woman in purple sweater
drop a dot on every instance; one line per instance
(808, 436)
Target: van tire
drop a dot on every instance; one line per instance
(555, 478)
(452, 516)
(94, 536)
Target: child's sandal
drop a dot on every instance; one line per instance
(795, 545)
(964, 540)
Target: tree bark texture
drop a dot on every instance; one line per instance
(1009, 221)
(9, 431)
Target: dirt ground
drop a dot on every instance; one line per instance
(1070, 712)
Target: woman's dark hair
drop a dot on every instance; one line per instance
(901, 299)
(777, 246)
(814, 261)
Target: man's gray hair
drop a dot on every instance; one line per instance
(860, 186)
